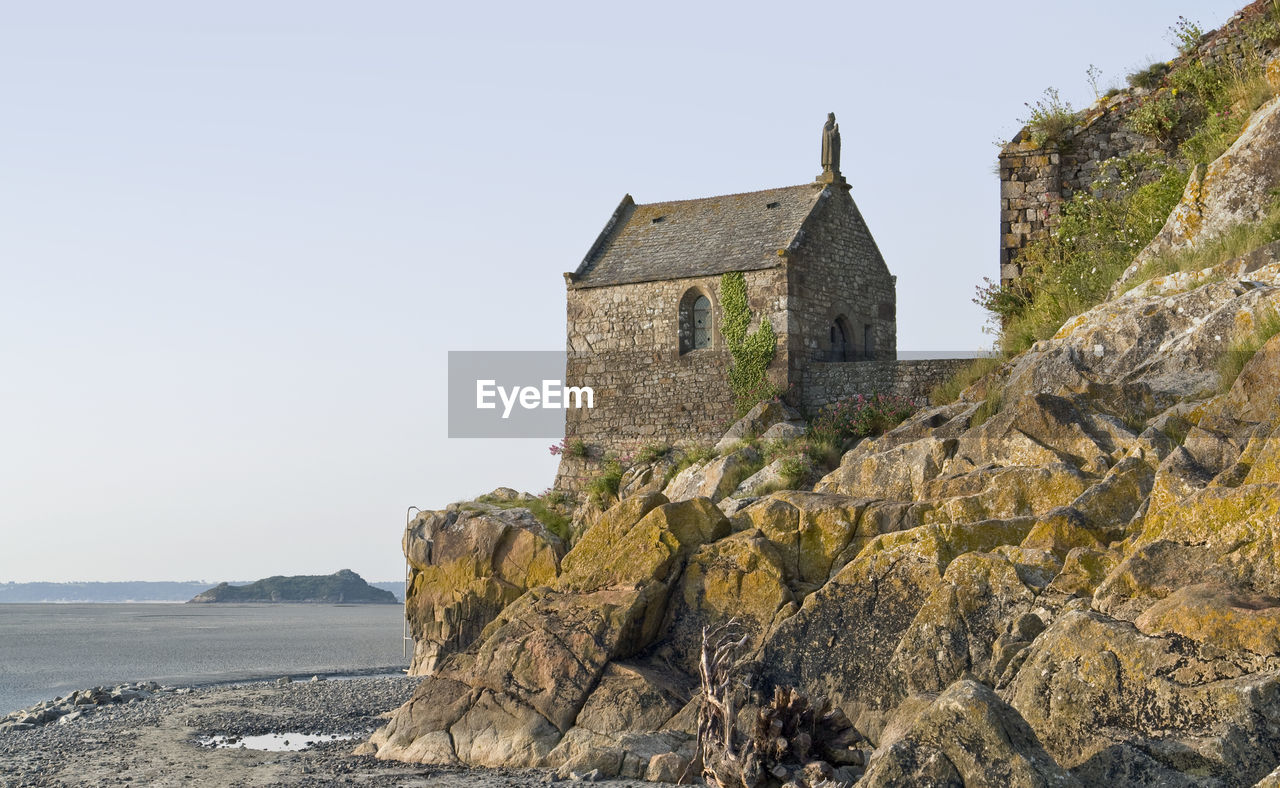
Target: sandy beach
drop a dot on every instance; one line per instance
(157, 741)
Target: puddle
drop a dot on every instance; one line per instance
(272, 742)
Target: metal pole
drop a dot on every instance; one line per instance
(406, 637)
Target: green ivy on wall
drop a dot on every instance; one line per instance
(751, 352)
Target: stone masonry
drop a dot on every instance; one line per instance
(913, 379)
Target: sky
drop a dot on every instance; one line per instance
(237, 239)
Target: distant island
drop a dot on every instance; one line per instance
(127, 591)
(344, 586)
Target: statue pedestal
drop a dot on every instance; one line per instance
(831, 178)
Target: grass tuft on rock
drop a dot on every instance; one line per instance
(689, 455)
(1235, 242)
(547, 509)
(1243, 348)
(950, 389)
(603, 490)
(990, 406)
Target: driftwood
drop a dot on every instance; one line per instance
(790, 741)
(716, 755)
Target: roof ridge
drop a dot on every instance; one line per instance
(817, 187)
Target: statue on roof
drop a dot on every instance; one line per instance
(831, 145)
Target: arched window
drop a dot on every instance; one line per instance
(701, 323)
(696, 321)
(840, 341)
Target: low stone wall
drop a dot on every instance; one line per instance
(825, 384)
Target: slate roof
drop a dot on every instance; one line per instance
(684, 238)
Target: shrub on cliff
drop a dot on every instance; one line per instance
(1051, 118)
(859, 417)
(1196, 110)
(1148, 77)
(950, 389)
(1095, 240)
(603, 489)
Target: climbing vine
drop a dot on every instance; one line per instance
(751, 353)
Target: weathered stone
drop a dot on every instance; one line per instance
(666, 767)
(1108, 506)
(1061, 531)
(844, 634)
(548, 650)
(1219, 616)
(465, 568)
(540, 659)
(631, 698)
(716, 478)
(621, 550)
(898, 473)
(1147, 350)
(1091, 683)
(784, 432)
(742, 578)
(815, 533)
(1044, 429)
(1083, 570)
(419, 730)
(767, 479)
(990, 493)
(592, 763)
(967, 736)
(1226, 193)
(647, 477)
(500, 730)
(1237, 531)
(951, 635)
(758, 420)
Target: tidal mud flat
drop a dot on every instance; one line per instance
(157, 741)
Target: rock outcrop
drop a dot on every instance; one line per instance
(1069, 576)
(966, 736)
(465, 566)
(519, 696)
(1082, 585)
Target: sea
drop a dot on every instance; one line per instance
(49, 650)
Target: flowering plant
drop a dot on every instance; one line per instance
(569, 447)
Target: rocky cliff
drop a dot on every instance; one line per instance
(1070, 575)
